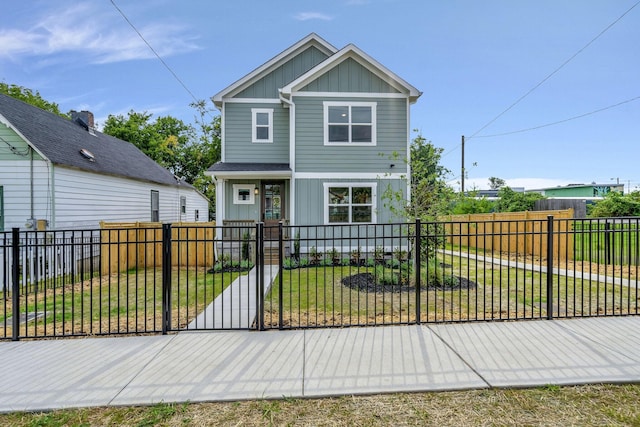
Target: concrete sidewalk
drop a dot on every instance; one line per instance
(209, 366)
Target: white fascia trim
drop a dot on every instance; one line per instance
(408, 153)
(252, 100)
(223, 126)
(250, 175)
(342, 95)
(348, 175)
(351, 51)
(310, 40)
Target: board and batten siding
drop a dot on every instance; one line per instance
(15, 178)
(267, 86)
(238, 146)
(309, 201)
(241, 211)
(391, 139)
(84, 199)
(349, 76)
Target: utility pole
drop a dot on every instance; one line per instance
(462, 181)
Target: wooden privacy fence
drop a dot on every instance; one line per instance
(513, 232)
(139, 245)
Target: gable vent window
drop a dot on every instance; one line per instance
(262, 125)
(88, 155)
(350, 123)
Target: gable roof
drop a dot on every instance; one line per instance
(310, 40)
(355, 53)
(60, 140)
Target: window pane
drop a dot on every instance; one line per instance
(338, 195)
(339, 214)
(338, 114)
(360, 133)
(361, 115)
(262, 119)
(262, 133)
(361, 195)
(338, 133)
(244, 194)
(361, 214)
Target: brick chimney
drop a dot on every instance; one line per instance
(84, 119)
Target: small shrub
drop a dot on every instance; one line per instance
(326, 262)
(334, 256)
(296, 247)
(245, 264)
(370, 262)
(244, 251)
(303, 262)
(378, 254)
(289, 263)
(400, 254)
(315, 256)
(345, 261)
(355, 256)
(393, 263)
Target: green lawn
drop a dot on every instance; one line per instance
(315, 296)
(120, 303)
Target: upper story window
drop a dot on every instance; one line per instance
(262, 125)
(350, 123)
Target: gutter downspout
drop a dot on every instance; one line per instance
(292, 156)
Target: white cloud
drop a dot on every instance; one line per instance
(306, 16)
(103, 39)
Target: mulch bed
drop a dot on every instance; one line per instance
(366, 282)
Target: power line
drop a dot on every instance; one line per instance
(560, 121)
(155, 53)
(554, 71)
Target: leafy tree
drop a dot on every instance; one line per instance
(471, 204)
(512, 201)
(430, 194)
(186, 150)
(30, 97)
(616, 204)
(496, 183)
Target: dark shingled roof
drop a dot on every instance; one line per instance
(61, 140)
(250, 167)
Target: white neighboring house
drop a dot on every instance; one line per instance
(60, 174)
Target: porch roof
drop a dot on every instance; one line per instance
(249, 170)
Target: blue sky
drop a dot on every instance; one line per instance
(471, 59)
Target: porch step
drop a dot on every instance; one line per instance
(271, 256)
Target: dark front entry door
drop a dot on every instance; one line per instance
(272, 207)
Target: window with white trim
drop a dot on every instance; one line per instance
(244, 194)
(349, 123)
(349, 203)
(262, 125)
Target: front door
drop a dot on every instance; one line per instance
(272, 207)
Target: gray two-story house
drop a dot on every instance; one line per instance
(313, 136)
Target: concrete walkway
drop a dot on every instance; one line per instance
(235, 307)
(215, 366)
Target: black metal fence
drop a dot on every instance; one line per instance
(141, 280)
